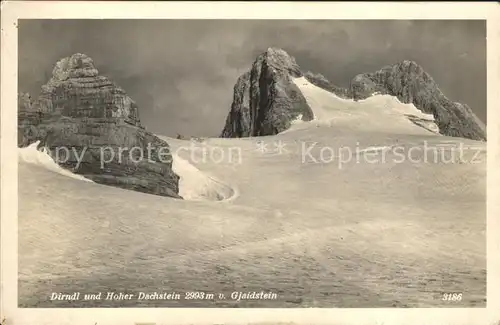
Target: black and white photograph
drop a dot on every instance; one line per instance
(251, 163)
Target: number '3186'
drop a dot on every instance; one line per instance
(452, 297)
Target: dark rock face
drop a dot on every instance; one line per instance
(266, 100)
(320, 81)
(82, 114)
(411, 84)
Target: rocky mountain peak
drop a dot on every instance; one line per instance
(409, 64)
(280, 60)
(266, 99)
(24, 102)
(77, 90)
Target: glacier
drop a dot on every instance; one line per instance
(391, 234)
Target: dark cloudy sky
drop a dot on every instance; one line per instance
(181, 73)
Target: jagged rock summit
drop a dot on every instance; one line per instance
(93, 118)
(409, 82)
(76, 89)
(266, 100)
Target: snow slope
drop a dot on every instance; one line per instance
(319, 230)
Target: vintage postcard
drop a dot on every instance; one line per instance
(250, 162)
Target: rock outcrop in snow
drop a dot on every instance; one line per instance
(411, 84)
(320, 81)
(89, 115)
(266, 100)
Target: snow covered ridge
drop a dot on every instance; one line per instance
(419, 154)
(378, 111)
